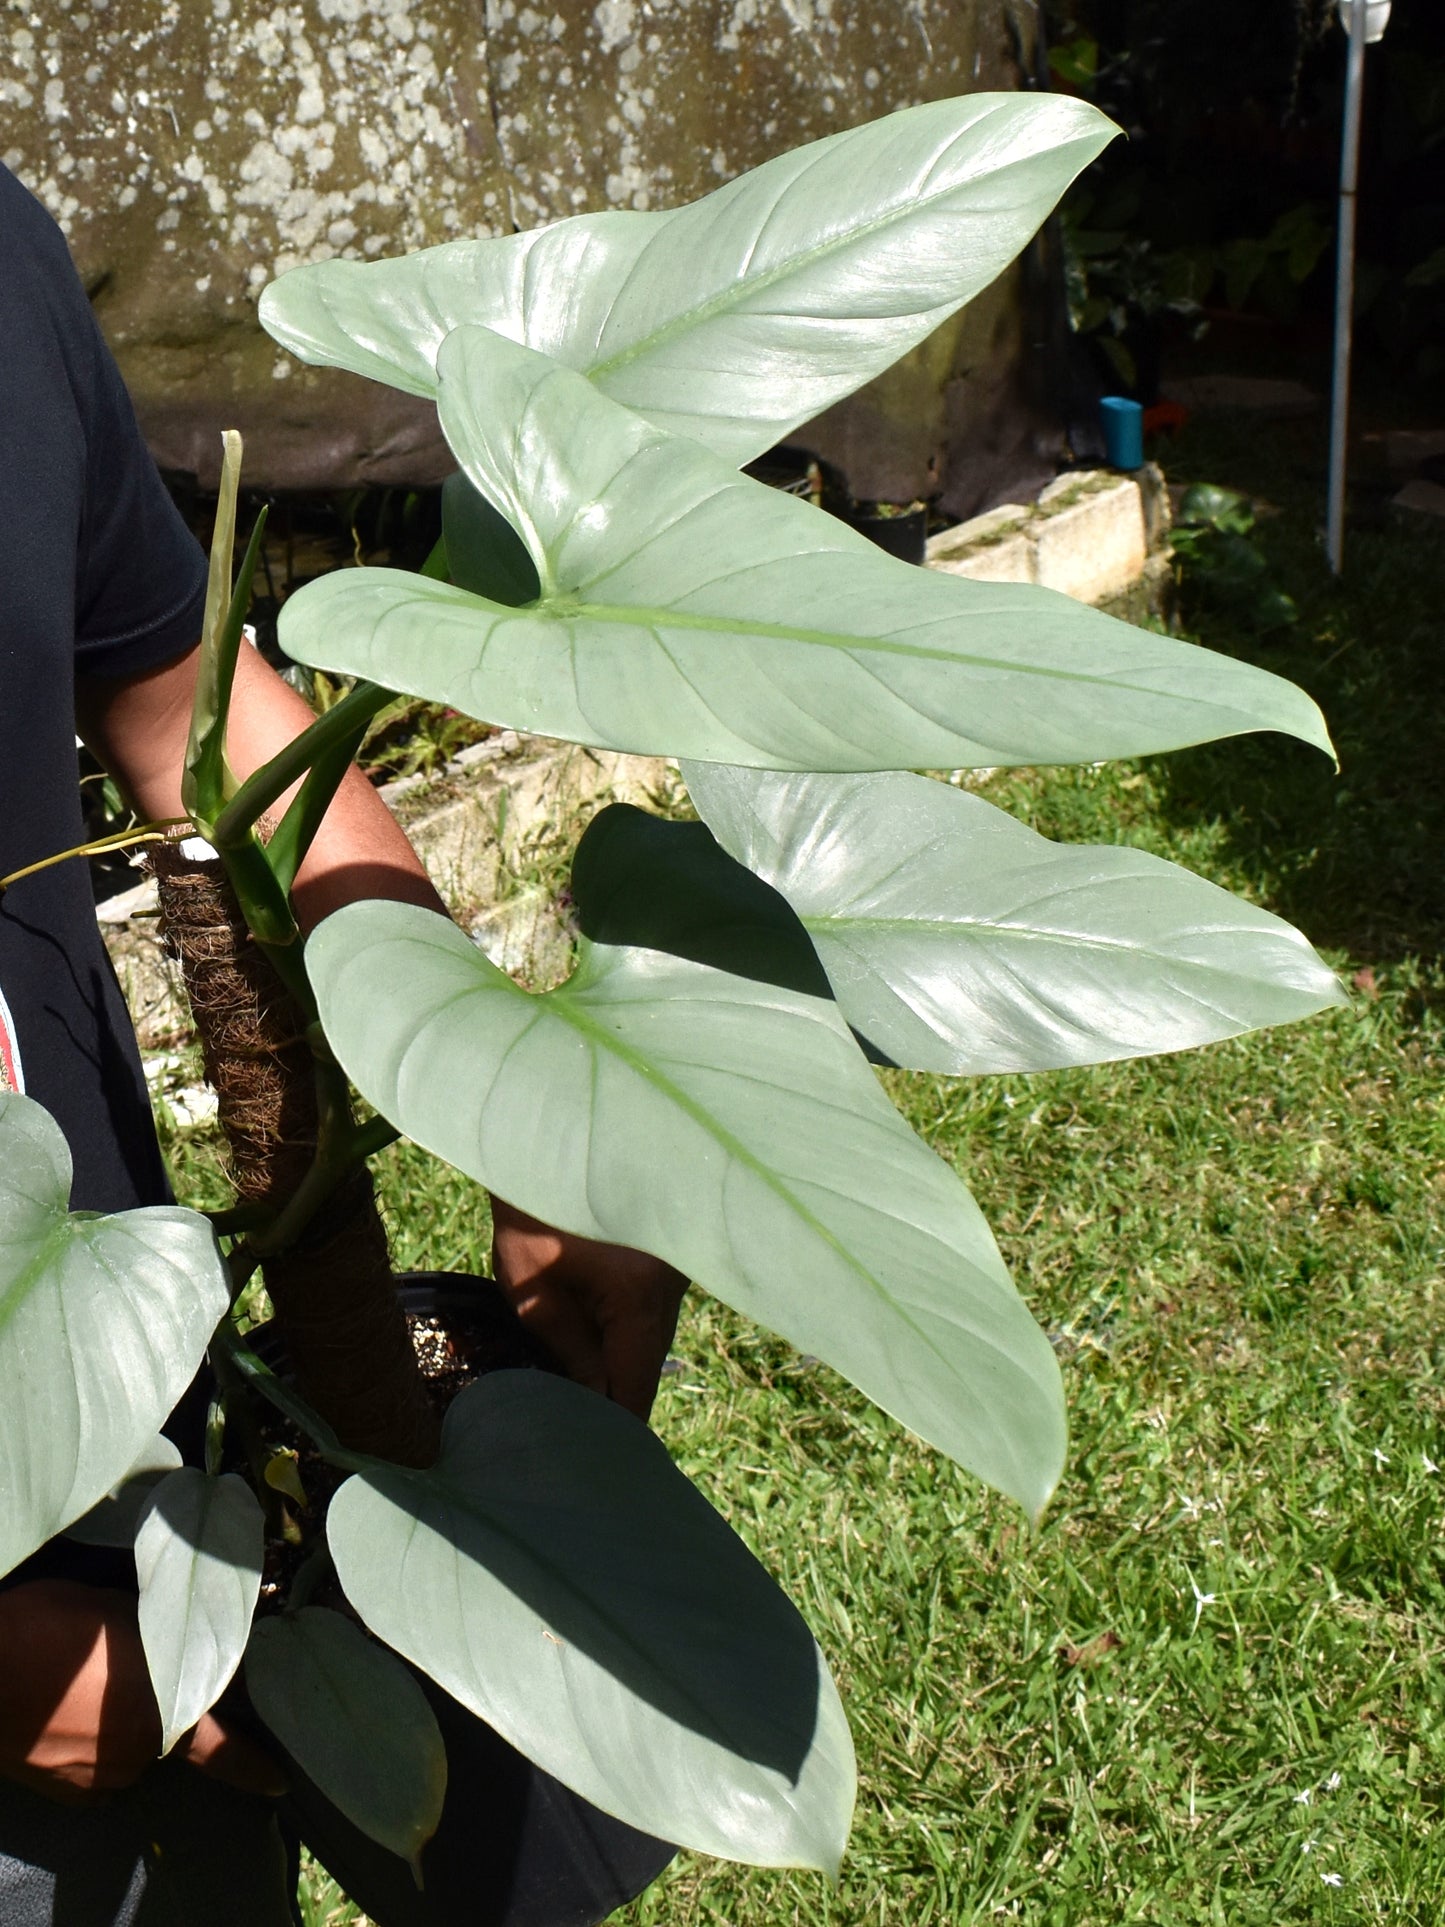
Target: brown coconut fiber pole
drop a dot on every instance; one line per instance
(333, 1290)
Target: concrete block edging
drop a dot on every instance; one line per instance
(469, 826)
(1094, 534)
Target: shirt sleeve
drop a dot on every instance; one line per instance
(140, 573)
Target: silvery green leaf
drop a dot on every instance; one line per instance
(687, 610)
(736, 318)
(198, 1560)
(958, 939)
(354, 1720)
(387, 319)
(731, 1128)
(558, 1575)
(647, 883)
(113, 1521)
(103, 1321)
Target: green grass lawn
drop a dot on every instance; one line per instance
(1211, 1689)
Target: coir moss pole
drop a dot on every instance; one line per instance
(333, 1290)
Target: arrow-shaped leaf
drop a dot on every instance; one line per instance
(730, 1127)
(643, 882)
(103, 1321)
(958, 939)
(557, 1574)
(113, 1522)
(355, 1721)
(688, 610)
(198, 1561)
(484, 553)
(736, 318)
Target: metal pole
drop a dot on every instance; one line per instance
(1345, 285)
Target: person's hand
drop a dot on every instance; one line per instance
(606, 1313)
(78, 1717)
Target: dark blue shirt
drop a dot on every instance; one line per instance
(98, 575)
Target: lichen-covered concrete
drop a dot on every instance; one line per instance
(645, 103)
(192, 149)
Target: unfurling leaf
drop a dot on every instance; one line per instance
(283, 1474)
(207, 784)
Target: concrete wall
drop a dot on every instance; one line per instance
(192, 149)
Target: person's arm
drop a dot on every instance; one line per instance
(607, 1313)
(138, 727)
(77, 1714)
(78, 1717)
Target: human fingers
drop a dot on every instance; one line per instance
(606, 1312)
(225, 1754)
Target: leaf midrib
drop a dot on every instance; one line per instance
(747, 286)
(982, 928)
(23, 1283)
(643, 615)
(571, 1012)
(463, 1500)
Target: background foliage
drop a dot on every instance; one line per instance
(1221, 204)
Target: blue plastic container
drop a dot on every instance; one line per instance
(1123, 431)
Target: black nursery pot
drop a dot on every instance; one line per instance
(905, 535)
(488, 1333)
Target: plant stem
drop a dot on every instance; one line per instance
(161, 831)
(231, 1385)
(297, 1152)
(242, 1264)
(264, 904)
(257, 794)
(376, 1134)
(259, 1376)
(238, 1218)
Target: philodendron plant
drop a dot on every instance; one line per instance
(701, 1086)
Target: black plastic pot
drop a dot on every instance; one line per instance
(473, 1305)
(905, 535)
(796, 470)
